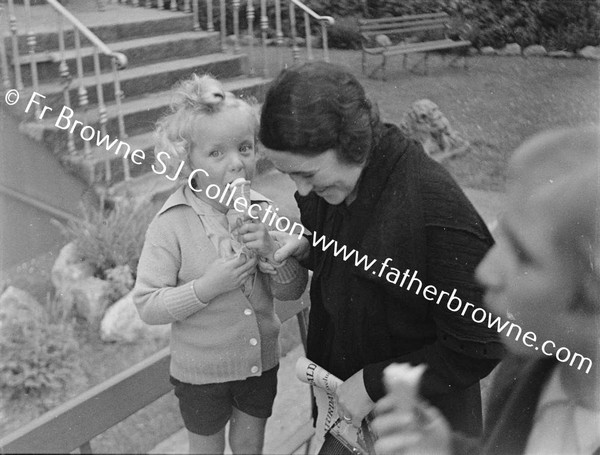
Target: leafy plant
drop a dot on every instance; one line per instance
(39, 360)
(108, 238)
(556, 24)
(121, 281)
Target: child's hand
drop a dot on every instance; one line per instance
(256, 237)
(223, 275)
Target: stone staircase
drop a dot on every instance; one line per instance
(161, 49)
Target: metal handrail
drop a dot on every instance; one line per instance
(330, 20)
(118, 56)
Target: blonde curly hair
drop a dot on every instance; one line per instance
(193, 99)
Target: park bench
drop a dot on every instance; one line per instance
(74, 424)
(422, 33)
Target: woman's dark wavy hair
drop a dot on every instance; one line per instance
(318, 106)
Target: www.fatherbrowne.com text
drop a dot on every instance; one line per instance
(408, 280)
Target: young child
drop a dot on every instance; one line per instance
(199, 273)
(544, 272)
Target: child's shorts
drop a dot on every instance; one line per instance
(206, 408)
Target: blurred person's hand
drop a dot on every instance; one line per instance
(424, 431)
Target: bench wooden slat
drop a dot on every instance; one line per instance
(77, 421)
(402, 18)
(427, 46)
(406, 27)
(417, 47)
(406, 31)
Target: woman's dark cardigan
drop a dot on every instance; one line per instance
(408, 208)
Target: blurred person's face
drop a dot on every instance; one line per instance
(324, 174)
(527, 281)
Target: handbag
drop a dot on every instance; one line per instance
(341, 440)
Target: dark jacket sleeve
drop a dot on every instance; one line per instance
(446, 241)
(464, 445)
(464, 351)
(308, 210)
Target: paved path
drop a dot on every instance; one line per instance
(291, 410)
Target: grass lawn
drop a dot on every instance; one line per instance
(495, 104)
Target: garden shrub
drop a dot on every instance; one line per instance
(569, 25)
(121, 281)
(555, 24)
(39, 360)
(108, 238)
(343, 37)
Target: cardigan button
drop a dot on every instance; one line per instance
(254, 369)
(253, 341)
(247, 311)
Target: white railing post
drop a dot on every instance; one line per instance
(264, 26)
(15, 45)
(3, 59)
(31, 43)
(325, 45)
(309, 51)
(236, 26)
(81, 91)
(120, 118)
(223, 25)
(309, 14)
(102, 114)
(66, 78)
(278, 34)
(210, 26)
(250, 21)
(195, 11)
(295, 48)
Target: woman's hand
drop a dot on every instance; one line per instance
(353, 400)
(224, 274)
(422, 431)
(256, 237)
(291, 246)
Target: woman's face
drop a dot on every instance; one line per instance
(327, 176)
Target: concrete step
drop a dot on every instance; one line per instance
(140, 115)
(120, 23)
(140, 51)
(143, 80)
(105, 167)
(149, 187)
